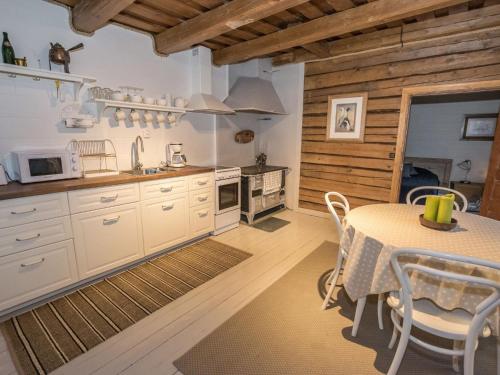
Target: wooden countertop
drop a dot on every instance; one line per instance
(17, 190)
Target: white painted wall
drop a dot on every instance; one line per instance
(279, 136)
(30, 114)
(435, 131)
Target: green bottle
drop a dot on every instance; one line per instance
(7, 50)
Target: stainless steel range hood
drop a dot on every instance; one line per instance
(254, 95)
(202, 99)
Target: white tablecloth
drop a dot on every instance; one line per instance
(372, 233)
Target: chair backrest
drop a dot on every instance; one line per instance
(438, 188)
(403, 270)
(331, 204)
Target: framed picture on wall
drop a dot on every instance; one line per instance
(346, 117)
(480, 127)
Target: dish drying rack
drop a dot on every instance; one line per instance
(97, 157)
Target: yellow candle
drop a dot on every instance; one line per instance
(445, 208)
(431, 207)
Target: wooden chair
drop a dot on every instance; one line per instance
(439, 188)
(341, 257)
(457, 325)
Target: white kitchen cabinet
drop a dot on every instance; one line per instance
(202, 196)
(103, 197)
(33, 273)
(165, 222)
(30, 209)
(163, 188)
(39, 233)
(201, 220)
(107, 238)
(201, 181)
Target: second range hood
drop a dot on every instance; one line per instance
(254, 95)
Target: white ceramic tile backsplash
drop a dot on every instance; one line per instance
(30, 114)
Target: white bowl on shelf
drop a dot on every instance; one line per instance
(136, 98)
(118, 96)
(162, 102)
(149, 100)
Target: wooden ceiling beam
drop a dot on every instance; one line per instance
(354, 19)
(89, 15)
(218, 21)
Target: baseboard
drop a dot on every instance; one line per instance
(312, 212)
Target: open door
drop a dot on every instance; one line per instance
(490, 205)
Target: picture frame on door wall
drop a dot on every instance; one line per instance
(346, 117)
(480, 127)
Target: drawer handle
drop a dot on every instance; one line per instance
(204, 182)
(203, 199)
(167, 207)
(109, 199)
(167, 189)
(202, 214)
(41, 260)
(29, 238)
(22, 212)
(111, 220)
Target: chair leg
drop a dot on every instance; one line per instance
(333, 280)
(403, 343)
(394, 334)
(380, 306)
(360, 306)
(454, 361)
(469, 353)
(335, 277)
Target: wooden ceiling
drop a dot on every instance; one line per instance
(238, 30)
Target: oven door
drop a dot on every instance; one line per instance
(227, 195)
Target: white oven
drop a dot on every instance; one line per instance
(228, 195)
(227, 198)
(37, 165)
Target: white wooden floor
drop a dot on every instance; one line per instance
(151, 345)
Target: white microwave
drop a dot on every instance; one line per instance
(38, 165)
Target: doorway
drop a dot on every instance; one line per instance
(436, 147)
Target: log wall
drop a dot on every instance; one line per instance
(363, 172)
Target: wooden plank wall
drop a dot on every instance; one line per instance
(363, 172)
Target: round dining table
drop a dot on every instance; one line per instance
(373, 232)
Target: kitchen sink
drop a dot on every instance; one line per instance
(149, 171)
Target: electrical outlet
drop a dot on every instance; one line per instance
(146, 133)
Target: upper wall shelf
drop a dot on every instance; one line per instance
(37, 74)
(139, 106)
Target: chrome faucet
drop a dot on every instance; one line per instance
(138, 164)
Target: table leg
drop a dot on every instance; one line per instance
(360, 306)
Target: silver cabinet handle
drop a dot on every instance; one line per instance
(202, 199)
(167, 207)
(204, 182)
(202, 214)
(109, 199)
(22, 212)
(41, 260)
(29, 238)
(111, 220)
(167, 189)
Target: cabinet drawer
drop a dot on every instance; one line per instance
(27, 210)
(201, 181)
(165, 222)
(29, 236)
(202, 196)
(201, 220)
(36, 272)
(163, 188)
(107, 238)
(109, 196)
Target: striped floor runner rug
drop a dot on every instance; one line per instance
(51, 335)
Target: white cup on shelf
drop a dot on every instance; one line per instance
(148, 118)
(160, 118)
(134, 117)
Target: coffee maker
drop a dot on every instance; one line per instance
(176, 158)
